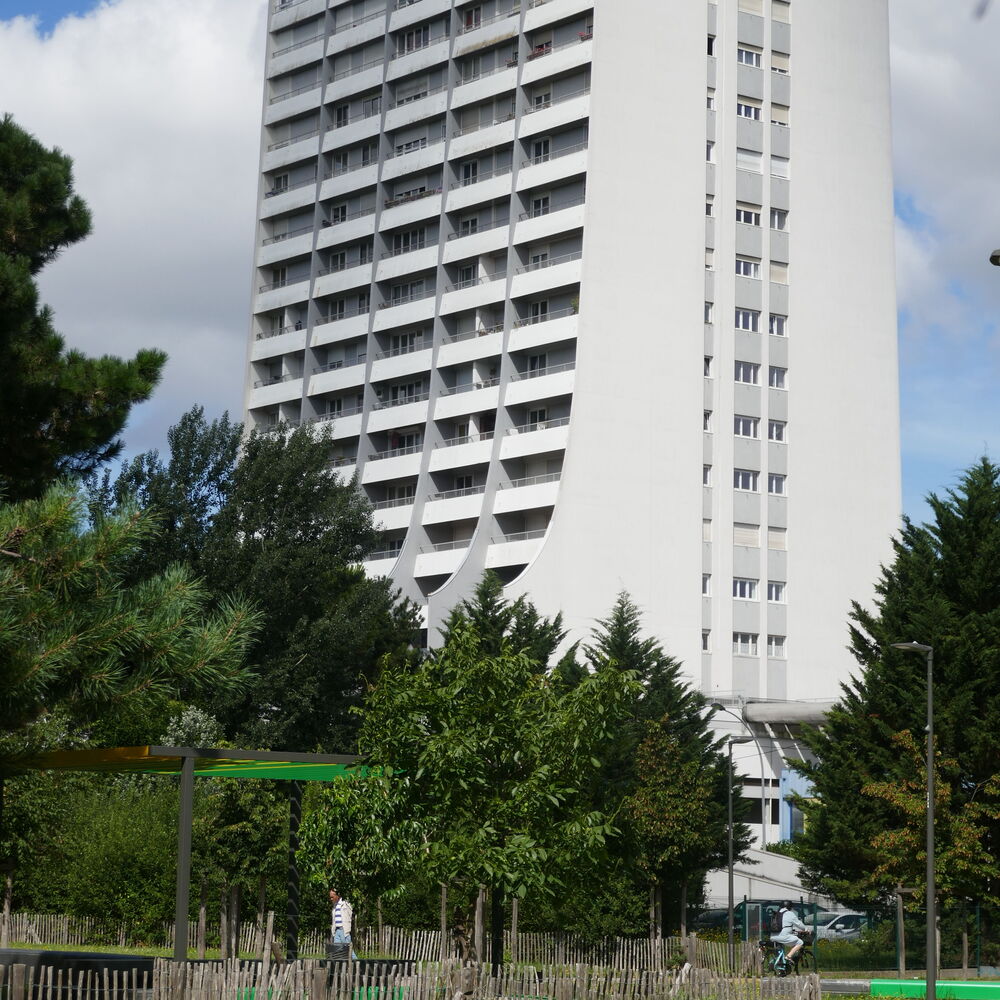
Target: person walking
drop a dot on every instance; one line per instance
(341, 919)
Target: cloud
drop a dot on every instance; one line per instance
(158, 103)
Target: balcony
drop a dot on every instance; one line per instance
(354, 80)
(401, 363)
(557, 60)
(394, 518)
(455, 505)
(293, 102)
(417, 59)
(274, 343)
(543, 383)
(461, 452)
(285, 151)
(535, 439)
(412, 307)
(432, 104)
(559, 165)
(533, 493)
(413, 208)
(346, 324)
(553, 115)
(473, 398)
(553, 331)
(392, 465)
(406, 411)
(543, 12)
(483, 343)
(352, 130)
(422, 155)
(269, 392)
(488, 238)
(278, 294)
(553, 272)
(411, 259)
(514, 550)
(337, 375)
(562, 218)
(357, 31)
(287, 12)
(347, 228)
(474, 293)
(442, 559)
(356, 177)
(475, 89)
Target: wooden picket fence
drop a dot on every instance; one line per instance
(309, 980)
(539, 949)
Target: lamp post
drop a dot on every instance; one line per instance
(731, 742)
(928, 653)
(764, 799)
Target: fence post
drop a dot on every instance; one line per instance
(16, 983)
(444, 922)
(514, 914)
(8, 889)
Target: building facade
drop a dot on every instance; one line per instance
(598, 294)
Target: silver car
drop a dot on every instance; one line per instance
(840, 926)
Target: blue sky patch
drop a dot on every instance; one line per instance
(48, 12)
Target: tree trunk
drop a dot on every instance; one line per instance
(965, 941)
(684, 908)
(478, 926)
(496, 929)
(652, 915)
(224, 926)
(8, 892)
(234, 921)
(900, 934)
(261, 912)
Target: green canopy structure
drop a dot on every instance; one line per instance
(189, 763)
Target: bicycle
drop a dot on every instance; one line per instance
(803, 963)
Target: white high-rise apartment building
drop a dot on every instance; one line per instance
(598, 294)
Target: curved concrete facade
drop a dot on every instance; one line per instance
(599, 295)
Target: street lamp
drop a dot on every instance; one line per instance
(731, 742)
(928, 653)
(764, 803)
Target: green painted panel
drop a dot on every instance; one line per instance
(946, 989)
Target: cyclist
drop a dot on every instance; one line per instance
(787, 936)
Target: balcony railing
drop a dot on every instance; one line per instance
(396, 352)
(539, 265)
(418, 97)
(351, 119)
(413, 449)
(349, 217)
(290, 234)
(555, 154)
(483, 331)
(357, 23)
(483, 74)
(484, 279)
(485, 175)
(280, 424)
(274, 192)
(415, 196)
(409, 248)
(268, 334)
(418, 397)
(402, 300)
(461, 543)
(488, 227)
(294, 139)
(275, 380)
(545, 317)
(339, 268)
(346, 314)
(520, 536)
(466, 439)
(347, 411)
(416, 147)
(469, 491)
(392, 553)
(514, 484)
(465, 29)
(540, 213)
(423, 45)
(540, 372)
(354, 70)
(552, 102)
(538, 425)
(479, 126)
(349, 169)
(278, 98)
(297, 45)
(280, 5)
(334, 366)
(394, 502)
(456, 390)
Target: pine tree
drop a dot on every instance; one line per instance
(942, 589)
(60, 411)
(76, 639)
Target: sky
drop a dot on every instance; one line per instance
(158, 102)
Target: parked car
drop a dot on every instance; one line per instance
(708, 919)
(840, 926)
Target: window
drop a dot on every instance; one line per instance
(706, 529)
(709, 309)
(341, 116)
(412, 240)
(779, 62)
(708, 367)
(777, 377)
(709, 206)
(473, 18)
(539, 311)
(776, 431)
(366, 253)
(748, 319)
(781, 10)
(747, 372)
(279, 183)
(749, 159)
(776, 646)
(779, 272)
(706, 423)
(467, 227)
(745, 480)
(709, 259)
(781, 167)
(745, 426)
(710, 151)
(775, 592)
(748, 215)
(748, 267)
(414, 39)
(776, 484)
(540, 150)
(371, 106)
(706, 640)
(752, 6)
(470, 173)
(747, 535)
(706, 475)
(748, 107)
(779, 114)
(710, 99)
(744, 589)
(747, 55)
(745, 643)
(777, 325)
(706, 584)
(339, 214)
(540, 206)
(711, 45)
(777, 538)
(779, 219)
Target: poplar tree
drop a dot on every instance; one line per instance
(60, 411)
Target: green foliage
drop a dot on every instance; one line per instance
(74, 637)
(60, 411)
(942, 589)
(272, 523)
(486, 768)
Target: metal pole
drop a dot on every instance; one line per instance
(292, 917)
(184, 819)
(931, 902)
(764, 793)
(729, 799)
